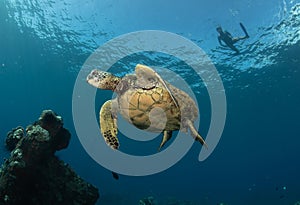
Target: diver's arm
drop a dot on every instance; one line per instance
(220, 41)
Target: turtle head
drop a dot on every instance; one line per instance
(102, 80)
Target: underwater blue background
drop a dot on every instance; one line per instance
(43, 45)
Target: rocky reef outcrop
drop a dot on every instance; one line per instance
(34, 175)
(148, 201)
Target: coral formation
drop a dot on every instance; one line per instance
(169, 201)
(34, 175)
(147, 201)
(13, 137)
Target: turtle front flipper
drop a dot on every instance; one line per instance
(108, 125)
(195, 134)
(166, 137)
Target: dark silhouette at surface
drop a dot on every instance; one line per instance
(225, 37)
(115, 175)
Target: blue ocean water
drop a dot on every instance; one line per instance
(43, 45)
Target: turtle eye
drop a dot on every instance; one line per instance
(104, 75)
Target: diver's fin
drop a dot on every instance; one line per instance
(244, 29)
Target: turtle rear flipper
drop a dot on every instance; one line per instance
(108, 125)
(195, 134)
(166, 137)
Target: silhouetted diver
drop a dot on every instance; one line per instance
(228, 39)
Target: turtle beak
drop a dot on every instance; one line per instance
(93, 78)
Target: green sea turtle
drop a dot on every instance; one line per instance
(145, 100)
